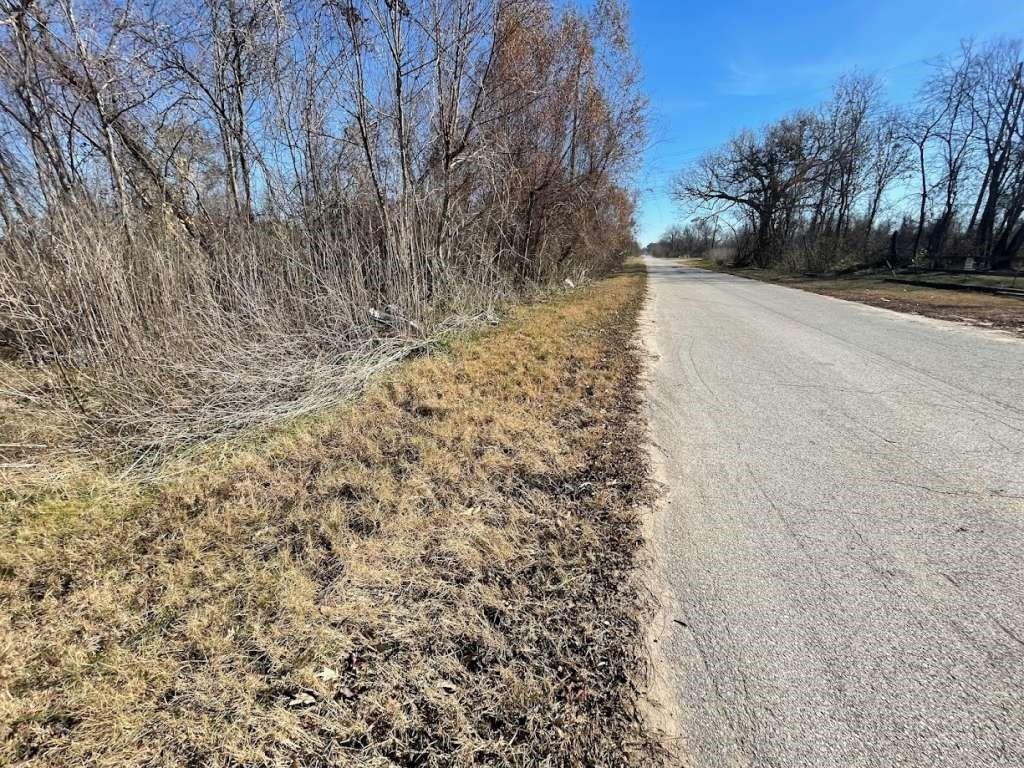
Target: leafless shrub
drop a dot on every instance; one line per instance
(220, 213)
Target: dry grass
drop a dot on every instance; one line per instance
(442, 573)
(27, 427)
(148, 344)
(979, 309)
(970, 278)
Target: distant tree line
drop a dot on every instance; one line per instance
(939, 182)
(697, 238)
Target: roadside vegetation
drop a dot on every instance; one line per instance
(220, 215)
(858, 183)
(980, 309)
(443, 572)
(227, 537)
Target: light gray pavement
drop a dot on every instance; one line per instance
(842, 540)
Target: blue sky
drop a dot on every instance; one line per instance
(712, 68)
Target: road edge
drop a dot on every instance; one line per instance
(660, 707)
(996, 334)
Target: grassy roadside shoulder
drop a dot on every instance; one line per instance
(443, 573)
(980, 309)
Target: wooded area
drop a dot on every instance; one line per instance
(241, 182)
(936, 183)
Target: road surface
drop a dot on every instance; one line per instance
(841, 544)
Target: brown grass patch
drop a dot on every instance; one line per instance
(981, 309)
(443, 573)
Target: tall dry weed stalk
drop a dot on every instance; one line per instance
(225, 213)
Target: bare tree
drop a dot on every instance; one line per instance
(768, 177)
(957, 152)
(189, 187)
(889, 161)
(998, 107)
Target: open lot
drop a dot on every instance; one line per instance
(985, 310)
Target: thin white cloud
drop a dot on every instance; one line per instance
(761, 80)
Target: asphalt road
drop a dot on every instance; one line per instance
(842, 540)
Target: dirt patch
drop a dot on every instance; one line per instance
(661, 708)
(444, 573)
(973, 308)
(980, 309)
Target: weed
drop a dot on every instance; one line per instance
(442, 573)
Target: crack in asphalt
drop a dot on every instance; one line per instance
(844, 528)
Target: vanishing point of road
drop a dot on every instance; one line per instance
(841, 543)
